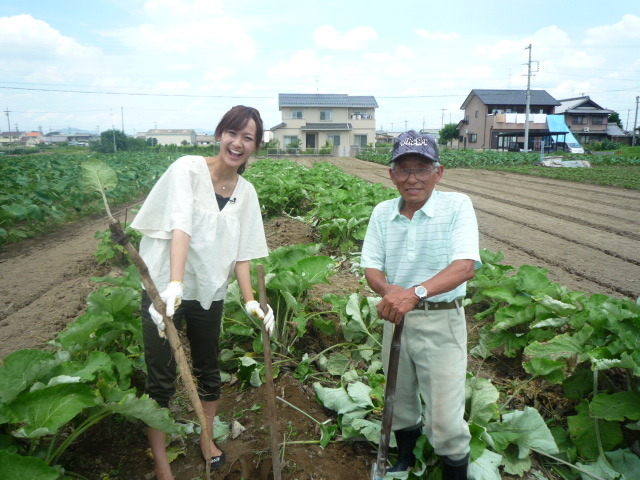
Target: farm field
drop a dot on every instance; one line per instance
(587, 237)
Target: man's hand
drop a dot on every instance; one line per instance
(396, 303)
(172, 297)
(253, 309)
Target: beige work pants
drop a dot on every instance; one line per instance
(433, 364)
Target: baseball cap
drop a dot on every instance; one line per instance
(415, 143)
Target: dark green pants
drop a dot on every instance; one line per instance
(203, 332)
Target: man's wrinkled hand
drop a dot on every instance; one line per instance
(395, 305)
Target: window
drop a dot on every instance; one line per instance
(579, 120)
(598, 120)
(476, 113)
(361, 141)
(335, 139)
(473, 137)
(289, 140)
(326, 115)
(361, 115)
(296, 114)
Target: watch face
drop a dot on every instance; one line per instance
(421, 291)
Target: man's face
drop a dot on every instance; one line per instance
(415, 191)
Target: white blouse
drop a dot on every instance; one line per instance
(184, 199)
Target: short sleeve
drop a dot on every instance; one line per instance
(372, 247)
(253, 241)
(464, 236)
(169, 205)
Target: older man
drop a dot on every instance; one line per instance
(419, 251)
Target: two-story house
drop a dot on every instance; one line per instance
(493, 118)
(585, 118)
(313, 120)
(171, 136)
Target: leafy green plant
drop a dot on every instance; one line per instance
(49, 399)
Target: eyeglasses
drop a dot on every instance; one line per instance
(419, 173)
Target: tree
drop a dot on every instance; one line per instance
(615, 118)
(449, 132)
(111, 141)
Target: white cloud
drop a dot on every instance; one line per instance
(438, 36)
(625, 29)
(355, 39)
(22, 37)
(300, 64)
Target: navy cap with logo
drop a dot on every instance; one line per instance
(412, 142)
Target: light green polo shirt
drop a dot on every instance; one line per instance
(412, 251)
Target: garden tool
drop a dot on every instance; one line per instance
(380, 467)
(270, 388)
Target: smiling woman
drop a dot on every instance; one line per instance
(200, 224)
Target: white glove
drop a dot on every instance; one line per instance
(253, 309)
(158, 320)
(172, 297)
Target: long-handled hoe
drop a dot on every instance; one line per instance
(271, 392)
(100, 177)
(380, 467)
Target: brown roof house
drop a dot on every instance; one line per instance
(492, 118)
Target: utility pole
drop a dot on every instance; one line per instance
(442, 121)
(635, 123)
(7, 111)
(122, 116)
(528, 103)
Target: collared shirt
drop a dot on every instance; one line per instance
(184, 199)
(412, 251)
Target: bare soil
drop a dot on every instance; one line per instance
(587, 237)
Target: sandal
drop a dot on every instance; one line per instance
(217, 462)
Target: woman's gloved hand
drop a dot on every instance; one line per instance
(172, 297)
(253, 309)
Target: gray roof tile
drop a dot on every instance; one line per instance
(325, 100)
(511, 97)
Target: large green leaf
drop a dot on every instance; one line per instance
(18, 467)
(22, 368)
(98, 176)
(562, 346)
(625, 462)
(533, 431)
(617, 406)
(583, 432)
(481, 397)
(45, 411)
(147, 410)
(486, 467)
(336, 399)
(359, 393)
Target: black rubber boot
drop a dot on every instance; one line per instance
(455, 469)
(406, 440)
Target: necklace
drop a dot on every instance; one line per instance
(224, 188)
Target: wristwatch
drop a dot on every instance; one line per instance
(421, 292)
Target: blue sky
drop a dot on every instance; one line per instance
(146, 64)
